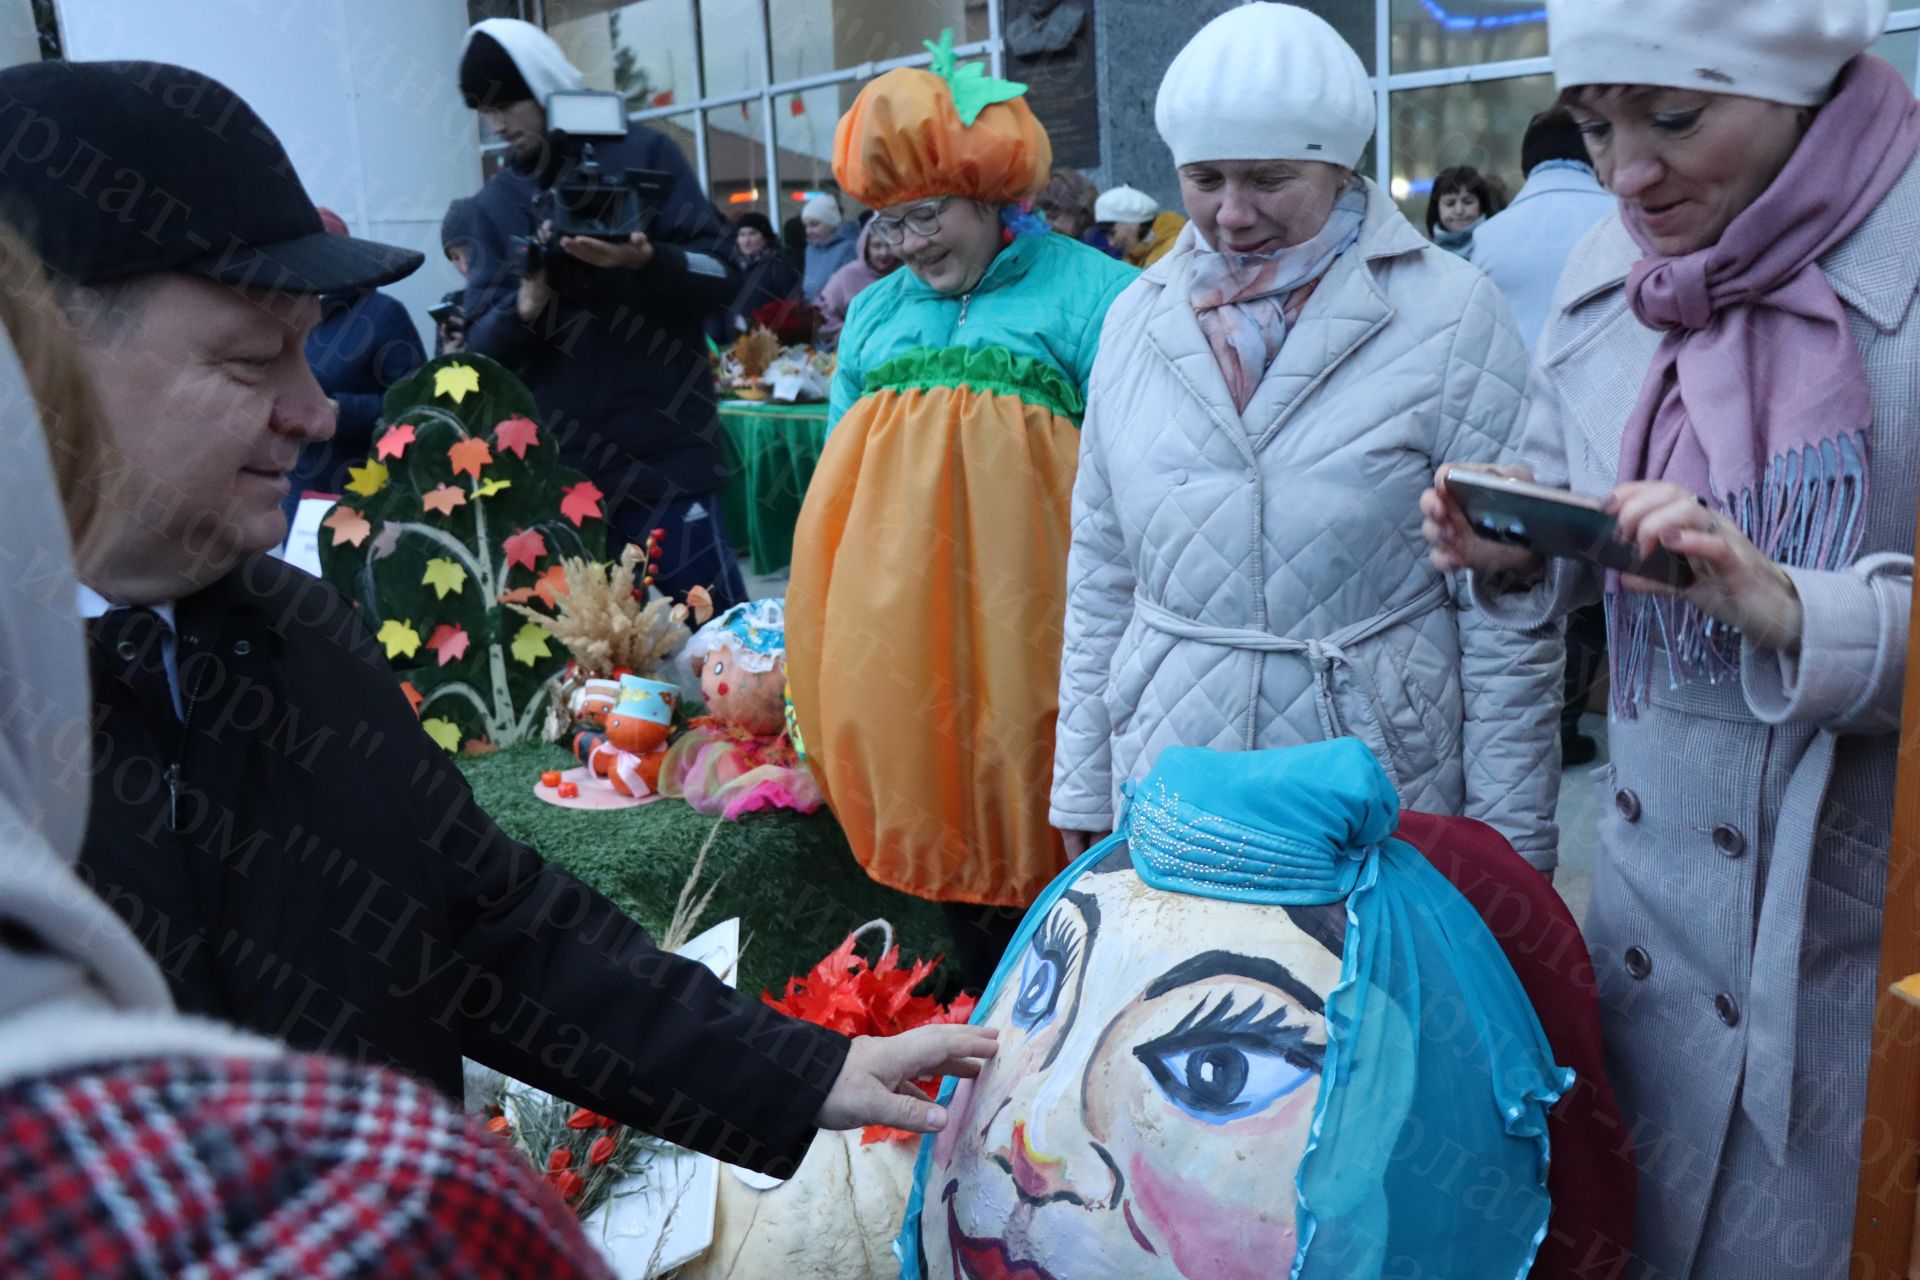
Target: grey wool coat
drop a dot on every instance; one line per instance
(1256, 580)
(1736, 914)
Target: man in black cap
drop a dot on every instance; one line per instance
(267, 814)
(612, 338)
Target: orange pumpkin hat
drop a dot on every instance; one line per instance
(949, 131)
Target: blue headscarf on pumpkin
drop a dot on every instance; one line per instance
(1428, 1145)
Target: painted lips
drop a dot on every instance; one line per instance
(977, 1258)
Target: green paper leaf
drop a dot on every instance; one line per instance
(972, 88)
(444, 732)
(444, 576)
(530, 643)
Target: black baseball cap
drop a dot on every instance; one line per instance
(114, 169)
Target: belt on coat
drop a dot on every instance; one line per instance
(1323, 655)
(1773, 987)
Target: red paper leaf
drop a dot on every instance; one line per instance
(348, 526)
(395, 441)
(450, 642)
(524, 548)
(516, 436)
(582, 502)
(468, 456)
(519, 595)
(413, 695)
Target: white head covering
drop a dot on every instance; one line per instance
(44, 740)
(1125, 204)
(821, 208)
(75, 985)
(543, 64)
(1787, 51)
(1266, 82)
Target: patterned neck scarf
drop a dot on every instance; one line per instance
(1246, 302)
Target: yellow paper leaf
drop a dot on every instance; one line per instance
(444, 732)
(400, 639)
(368, 479)
(456, 381)
(444, 576)
(530, 643)
(491, 487)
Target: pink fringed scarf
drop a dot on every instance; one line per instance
(1757, 397)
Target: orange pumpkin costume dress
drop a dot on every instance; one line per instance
(924, 612)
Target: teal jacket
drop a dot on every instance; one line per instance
(1044, 297)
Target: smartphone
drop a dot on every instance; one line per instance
(1556, 522)
(439, 311)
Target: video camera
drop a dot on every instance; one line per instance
(578, 197)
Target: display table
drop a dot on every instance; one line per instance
(773, 449)
(790, 877)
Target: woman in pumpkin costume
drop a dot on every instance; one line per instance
(924, 612)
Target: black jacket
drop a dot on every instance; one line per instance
(318, 872)
(619, 366)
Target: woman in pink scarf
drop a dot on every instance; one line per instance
(873, 259)
(1733, 362)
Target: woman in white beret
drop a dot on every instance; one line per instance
(1734, 359)
(1269, 401)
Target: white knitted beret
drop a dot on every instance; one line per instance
(1266, 82)
(821, 208)
(1780, 50)
(1125, 204)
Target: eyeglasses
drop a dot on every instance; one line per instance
(923, 220)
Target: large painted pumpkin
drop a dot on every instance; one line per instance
(1250, 1036)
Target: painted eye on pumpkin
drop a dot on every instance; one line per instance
(1219, 1066)
(719, 668)
(1043, 974)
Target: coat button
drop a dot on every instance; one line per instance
(1628, 804)
(1639, 963)
(127, 650)
(1723, 1004)
(241, 648)
(1728, 839)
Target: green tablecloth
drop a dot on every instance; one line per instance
(773, 449)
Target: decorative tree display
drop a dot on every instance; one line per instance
(463, 508)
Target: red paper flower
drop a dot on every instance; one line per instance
(560, 1159)
(582, 1119)
(570, 1185)
(601, 1151)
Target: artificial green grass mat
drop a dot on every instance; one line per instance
(790, 877)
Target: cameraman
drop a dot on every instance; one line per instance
(609, 336)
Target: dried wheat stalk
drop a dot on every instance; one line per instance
(601, 623)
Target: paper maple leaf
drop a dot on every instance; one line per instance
(444, 576)
(367, 479)
(517, 435)
(469, 456)
(348, 526)
(519, 595)
(399, 637)
(395, 441)
(972, 88)
(552, 584)
(413, 696)
(582, 502)
(444, 498)
(487, 488)
(444, 732)
(524, 548)
(449, 642)
(530, 643)
(456, 381)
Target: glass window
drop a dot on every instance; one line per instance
(803, 125)
(813, 37)
(1477, 124)
(1453, 33)
(730, 46)
(1902, 49)
(652, 53)
(679, 129)
(737, 157)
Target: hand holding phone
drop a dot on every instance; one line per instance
(1556, 522)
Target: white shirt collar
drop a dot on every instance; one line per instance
(94, 605)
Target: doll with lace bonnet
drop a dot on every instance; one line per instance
(737, 758)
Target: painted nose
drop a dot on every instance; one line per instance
(1042, 1178)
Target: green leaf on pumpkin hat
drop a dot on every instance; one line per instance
(972, 88)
